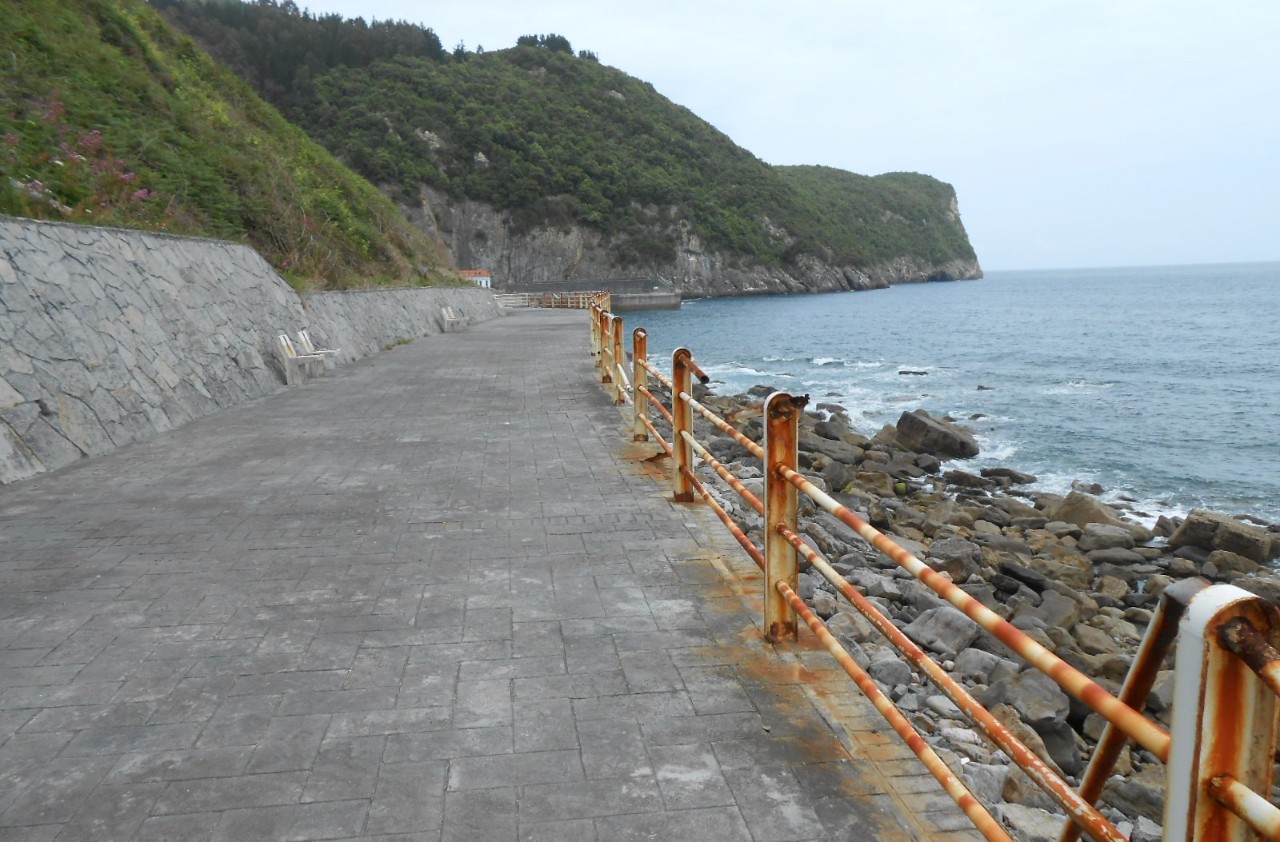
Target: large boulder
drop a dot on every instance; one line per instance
(1215, 531)
(1082, 509)
(921, 432)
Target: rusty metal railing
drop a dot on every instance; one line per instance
(1219, 750)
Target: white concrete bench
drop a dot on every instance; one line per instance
(295, 364)
(309, 347)
(452, 318)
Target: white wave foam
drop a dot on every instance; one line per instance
(1072, 387)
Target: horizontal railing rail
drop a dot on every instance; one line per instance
(569, 300)
(1218, 751)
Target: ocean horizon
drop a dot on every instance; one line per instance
(1161, 384)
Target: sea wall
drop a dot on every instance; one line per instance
(108, 337)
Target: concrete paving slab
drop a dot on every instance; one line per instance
(437, 594)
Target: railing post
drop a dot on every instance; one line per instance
(639, 383)
(595, 337)
(619, 362)
(1224, 717)
(781, 447)
(606, 349)
(681, 381)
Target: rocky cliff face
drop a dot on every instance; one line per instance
(480, 237)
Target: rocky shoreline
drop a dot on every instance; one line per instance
(1079, 576)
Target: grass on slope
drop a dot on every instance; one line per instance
(884, 216)
(107, 116)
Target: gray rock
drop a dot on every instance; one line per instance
(824, 604)
(1229, 562)
(1140, 794)
(923, 433)
(944, 630)
(848, 625)
(1094, 641)
(1031, 578)
(1115, 555)
(1215, 531)
(1055, 610)
(1030, 824)
(955, 556)
(832, 428)
(1101, 536)
(1267, 587)
(974, 666)
(891, 670)
(1036, 698)
(986, 781)
(1082, 510)
(1020, 789)
(1146, 831)
(1015, 477)
(944, 708)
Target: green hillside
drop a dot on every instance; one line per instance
(109, 116)
(557, 138)
(890, 214)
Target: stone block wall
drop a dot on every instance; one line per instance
(108, 337)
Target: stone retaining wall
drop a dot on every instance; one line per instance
(108, 336)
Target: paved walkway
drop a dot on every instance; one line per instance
(433, 595)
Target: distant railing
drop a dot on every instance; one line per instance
(565, 300)
(1219, 750)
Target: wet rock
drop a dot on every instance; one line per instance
(832, 429)
(1014, 477)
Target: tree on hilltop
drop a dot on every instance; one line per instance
(551, 41)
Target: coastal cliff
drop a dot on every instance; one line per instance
(539, 164)
(478, 234)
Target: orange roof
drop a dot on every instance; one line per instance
(474, 273)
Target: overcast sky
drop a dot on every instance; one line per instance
(1079, 133)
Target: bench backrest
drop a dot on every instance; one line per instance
(286, 345)
(308, 347)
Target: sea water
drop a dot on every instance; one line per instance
(1161, 384)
